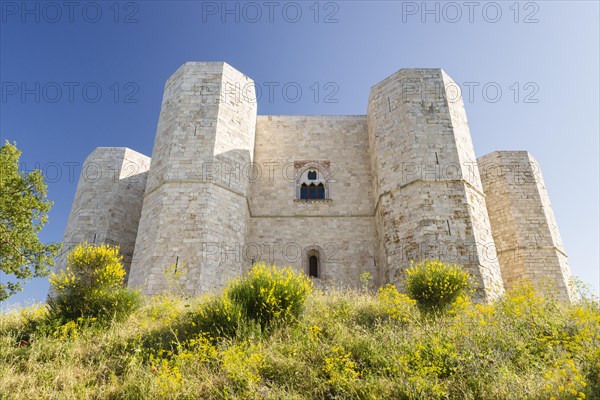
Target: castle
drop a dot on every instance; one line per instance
(333, 196)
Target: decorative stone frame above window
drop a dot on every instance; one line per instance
(311, 180)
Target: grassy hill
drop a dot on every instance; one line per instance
(345, 345)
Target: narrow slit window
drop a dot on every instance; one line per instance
(313, 266)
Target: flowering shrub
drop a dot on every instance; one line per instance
(347, 344)
(315, 332)
(169, 378)
(339, 367)
(264, 295)
(91, 286)
(242, 364)
(267, 293)
(219, 317)
(70, 330)
(398, 306)
(564, 381)
(435, 285)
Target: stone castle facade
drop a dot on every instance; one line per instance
(333, 196)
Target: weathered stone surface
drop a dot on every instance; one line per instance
(401, 183)
(525, 232)
(205, 127)
(284, 230)
(108, 201)
(429, 198)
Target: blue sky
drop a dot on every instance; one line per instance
(75, 76)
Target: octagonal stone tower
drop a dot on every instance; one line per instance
(195, 213)
(428, 193)
(108, 201)
(407, 187)
(525, 232)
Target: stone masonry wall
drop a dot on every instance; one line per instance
(108, 201)
(429, 202)
(206, 125)
(402, 183)
(284, 229)
(525, 231)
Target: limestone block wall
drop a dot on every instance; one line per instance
(402, 183)
(108, 201)
(191, 207)
(525, 231)
(429, 202)
(285, 229)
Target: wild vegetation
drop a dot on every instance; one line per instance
(270, 335)
(23, 213)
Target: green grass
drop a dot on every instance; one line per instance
(344, 345)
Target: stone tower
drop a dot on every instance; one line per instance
(108, 201)
(195, 211)
(429, 201)
(334, 196)
(525, 232)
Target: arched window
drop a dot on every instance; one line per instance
(313, 266)
(304, 191)
(320, 191)
(312, 191)
(312, 185)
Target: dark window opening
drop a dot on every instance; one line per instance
(312, 175)
(320, 191)
(312, 191)
(313, 266)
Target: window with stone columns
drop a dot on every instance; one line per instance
(311, 180)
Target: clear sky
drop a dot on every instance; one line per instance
(78, 75)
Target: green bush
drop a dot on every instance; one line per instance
(397, 306)
(91, 287)
(102, 306)
(267, 293)
(435, 285)
(219, 317)
(347, 344)
(253, 301)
